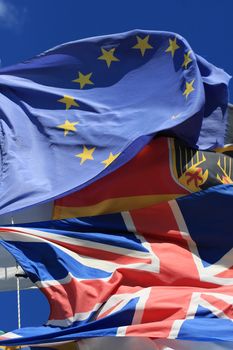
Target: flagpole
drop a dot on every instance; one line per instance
(18, 288)
(18, 299)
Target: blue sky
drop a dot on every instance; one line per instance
(33, 306)
(30, 27)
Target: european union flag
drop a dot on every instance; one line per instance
(79, 111)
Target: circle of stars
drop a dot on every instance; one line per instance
(109, 56)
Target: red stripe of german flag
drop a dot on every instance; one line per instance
(145, 180)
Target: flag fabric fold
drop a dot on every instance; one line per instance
(164, 271)
(163, 170)
(93, 104)
(138, 343)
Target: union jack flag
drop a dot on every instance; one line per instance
(165, 271)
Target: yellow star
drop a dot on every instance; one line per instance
(83, 80)
(108, 56)
(68, 126)
(110, 159)
(86, 154)
(172, 47)
(187, 60)
(142, 44)
(69, 101)
(188, 88)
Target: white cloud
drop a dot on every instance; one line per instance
(10, 16)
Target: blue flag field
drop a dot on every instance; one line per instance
(94, 103)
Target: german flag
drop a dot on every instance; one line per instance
(165, 169)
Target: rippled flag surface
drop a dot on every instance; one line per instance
(160, 272)
(80, 110)
(163, 170)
